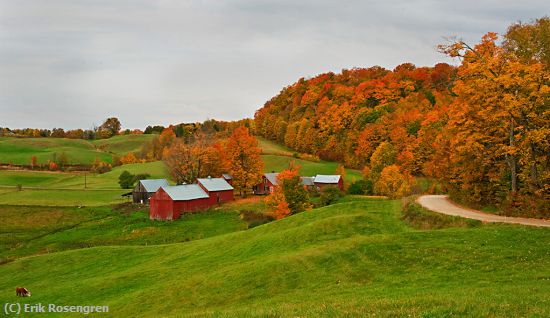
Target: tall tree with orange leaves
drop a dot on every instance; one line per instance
(244, 161)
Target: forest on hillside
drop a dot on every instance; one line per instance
(481, 129)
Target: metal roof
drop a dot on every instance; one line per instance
(307, 181)
(227, 176)
(152, 185)
(215, 184)
(322, 178)
(272, 177)
(185, 192)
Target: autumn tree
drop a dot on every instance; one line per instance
(167, 137)
(500, 120)
(393, 182)
(245, 163)
(128, 159)
(110, 127)
(187, 162)
(34, 162)
(277, 205)
(384, 155)
(341, 171)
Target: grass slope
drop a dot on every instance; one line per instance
(28, 230)
(350, 259)
(20, 150)
(308, 168)
(277, 158)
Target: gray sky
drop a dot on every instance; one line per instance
(72, 63)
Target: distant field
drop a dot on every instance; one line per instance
(20, 150)
(308, 168)
(123, 144)
(271, 148)
(350, 259)
(48, 197)
(277, 157)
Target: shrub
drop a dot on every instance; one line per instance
(358, 187)
(330, 195)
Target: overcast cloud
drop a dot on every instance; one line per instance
(74, 63)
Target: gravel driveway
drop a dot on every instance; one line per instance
(442, 204)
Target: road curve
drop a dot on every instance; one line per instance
(442, 204)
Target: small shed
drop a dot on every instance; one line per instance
(145, 189)
(308, 182)
(169, 202)
(218, 189)
(227, 177)
(267, 186)
(322, 181)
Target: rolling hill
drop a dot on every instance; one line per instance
(20, 150)
(355, 258)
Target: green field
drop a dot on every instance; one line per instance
(277, 157)
(20, 150)
(308, 168)
(29, 230)
(355, 258)
(271, 148)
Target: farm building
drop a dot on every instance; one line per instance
(308, 182)
(169, 202)
(145, 189)
(322, 181)
(218, 189)
(227, 177)
(267, 186)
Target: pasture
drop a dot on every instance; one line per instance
(355, 258)
(19, 151)
(31, 230)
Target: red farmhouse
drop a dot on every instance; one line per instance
(168, 203)
(218, 190)
(322, 181)
(269, 181)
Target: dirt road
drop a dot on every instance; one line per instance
(441, 204)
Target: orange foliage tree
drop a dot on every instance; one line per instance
(128, 159)
(244, 161)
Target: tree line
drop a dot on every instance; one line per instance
(481, 129)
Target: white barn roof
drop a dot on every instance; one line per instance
(307, 181)
(272, 177)
(185, 192)
(152, 185)
(215, 184)
(330, 179)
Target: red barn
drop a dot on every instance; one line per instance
(168, 203)
(269, 181)
(218, 189)
(322, 181)
(228, 178)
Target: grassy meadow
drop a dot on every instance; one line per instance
(30, 230)
(354, 258)
(19, 151)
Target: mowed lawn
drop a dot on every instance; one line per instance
(355, 258)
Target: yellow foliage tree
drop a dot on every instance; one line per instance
(393, 183)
